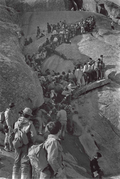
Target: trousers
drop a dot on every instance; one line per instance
(22, 164)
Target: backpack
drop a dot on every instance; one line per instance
(2, 116)
(38, 157)
(17, 142)
(20, 139)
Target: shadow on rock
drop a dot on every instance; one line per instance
(109, 67)
(114, 76)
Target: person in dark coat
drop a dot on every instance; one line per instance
(95, 168)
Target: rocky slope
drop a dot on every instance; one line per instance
(18, 83)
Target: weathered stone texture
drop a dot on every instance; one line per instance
(18, 83)
(89, 5)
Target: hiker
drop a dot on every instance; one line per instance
(99, 67)
(62, 118)
(95, 169)
(102, 69)
(48, 28)
(9, 128)
(25, 135)
(78, 74)
(69, 111)
(101, 58)
(55, 167)
(38, 31)
(112, 25)
(30, 40)
(47, 41)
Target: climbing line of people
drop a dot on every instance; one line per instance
(59, 86)
(63, 32)
(56, 111)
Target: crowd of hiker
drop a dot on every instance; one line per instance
(36, 135)
(50, 122)
(36, 141)
(62, 32)
(62, 84)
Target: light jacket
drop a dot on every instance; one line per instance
(54, 152)
(62, 116)
(26, 126)
(9, 117)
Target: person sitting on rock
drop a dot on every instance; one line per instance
(95, 169)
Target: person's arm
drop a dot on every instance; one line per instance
(52, 155)
(33, 132)
(58, 115)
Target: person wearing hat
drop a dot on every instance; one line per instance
(21, 163)
(9, 123)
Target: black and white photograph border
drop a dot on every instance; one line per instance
(59, 89)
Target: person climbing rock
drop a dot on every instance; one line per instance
(54, 150)
(95, 169)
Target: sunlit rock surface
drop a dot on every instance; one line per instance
(89, 5)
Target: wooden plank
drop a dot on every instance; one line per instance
(89, 87)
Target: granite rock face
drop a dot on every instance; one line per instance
(41, 5)
(89, 5)
(112, 9)
(18, 83)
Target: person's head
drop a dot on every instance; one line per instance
(11, 105)
(99, 155)
(27, 112)
(20, 113)
(63, 73)
(53, 127)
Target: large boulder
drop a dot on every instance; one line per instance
(41, 5)
(89, 5)
(112, 9)
(2, 2)
(65, 57)
(18, 83)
